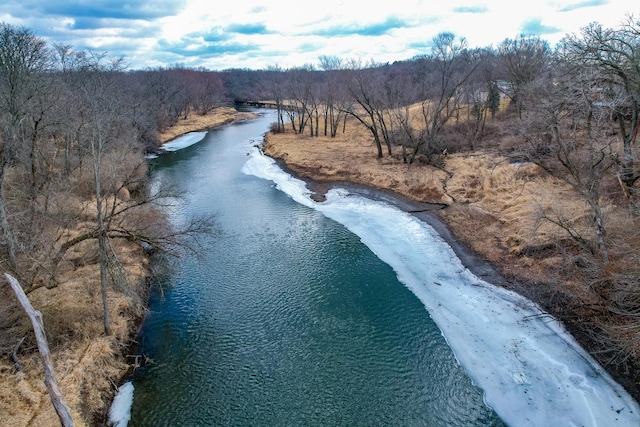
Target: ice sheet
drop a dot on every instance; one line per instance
(184, 141)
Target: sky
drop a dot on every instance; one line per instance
(257, 34)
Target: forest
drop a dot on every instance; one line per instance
(76, 127)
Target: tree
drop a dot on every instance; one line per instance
(205, 91)
(104, 137)
(493, 99)
(167, 90)
(275, 81)
(567, 122)
(364, 86)
(445, 72)
(525, 59)
(302, 97)
(616, 53)
(23, 60)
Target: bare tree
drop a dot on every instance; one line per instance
(333, 96)
(445, 72)
(300, 89)
(167, 90)
(23, 60)
(364, 86)
(525, 60)
(616, 52)
(567, 122)
(275, 81)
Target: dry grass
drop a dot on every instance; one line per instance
(87, 364)
(483, 189)
(351, 157)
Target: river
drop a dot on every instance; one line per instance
(299, 313)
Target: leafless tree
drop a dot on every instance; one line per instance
(571, 137)
(525, 59)
(23, 60)
(275, 82)
(365, 86)
(333, 94)
(445, 72)
(302, 99)
(616, 52)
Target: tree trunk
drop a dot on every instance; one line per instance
(57, 399)
(102, 253)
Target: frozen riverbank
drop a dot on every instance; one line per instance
(531, 370)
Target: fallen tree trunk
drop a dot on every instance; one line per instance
(49, 375)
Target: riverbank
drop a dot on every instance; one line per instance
(193, 123)
(487, 207)
(88, 365)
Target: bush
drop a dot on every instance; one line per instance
(275, 127)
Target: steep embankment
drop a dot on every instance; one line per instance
(88, 365)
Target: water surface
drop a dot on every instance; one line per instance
(287, 318)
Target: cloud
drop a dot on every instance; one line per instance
(583, 4)
(97, 24)
(375, 29)
(248, 29)
(216, 35)
(471, 9)
(196, 45)
(105, 8)
(535, 27)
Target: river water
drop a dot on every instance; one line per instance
(289, 318)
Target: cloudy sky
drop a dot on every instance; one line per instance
(256, 34)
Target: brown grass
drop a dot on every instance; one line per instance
(88, 365)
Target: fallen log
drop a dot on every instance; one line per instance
(57, 399)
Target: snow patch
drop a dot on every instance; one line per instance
(120, 411)
(184, 141)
